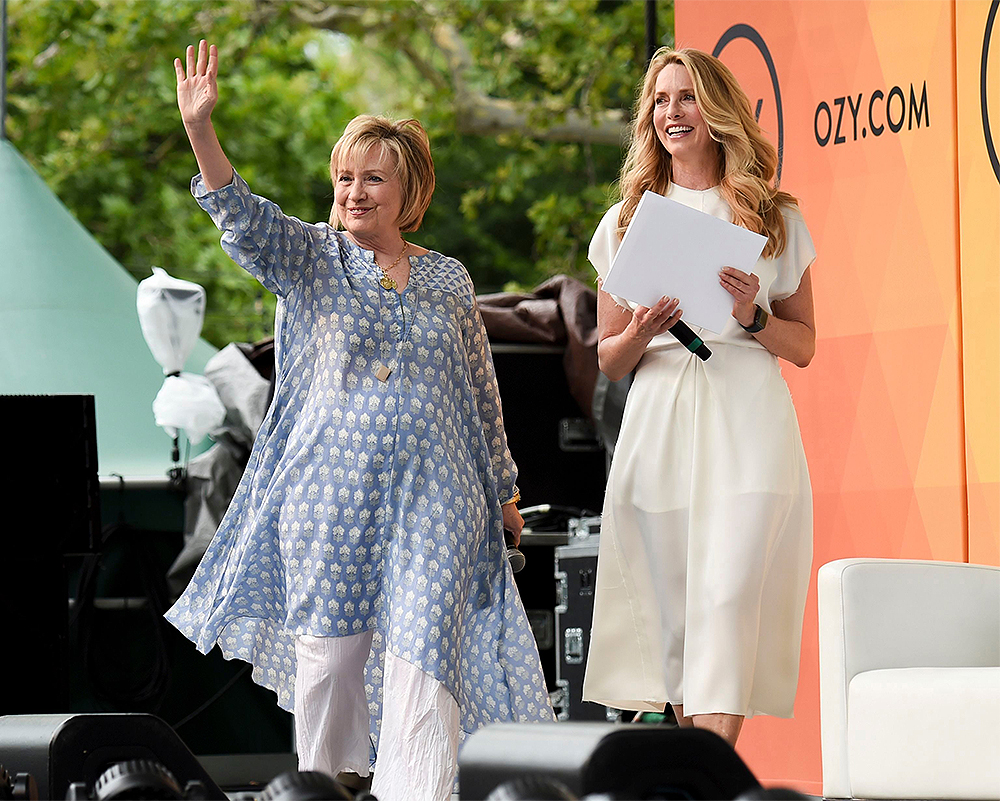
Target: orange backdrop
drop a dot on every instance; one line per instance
(863, 99)
(977, 39)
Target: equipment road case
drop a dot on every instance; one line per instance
(538, 593)
(575, 575)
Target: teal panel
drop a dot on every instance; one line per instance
(69, 325)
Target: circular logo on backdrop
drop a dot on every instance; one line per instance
(765, 101)
(991, 145)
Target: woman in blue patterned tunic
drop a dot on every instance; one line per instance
(360, 567)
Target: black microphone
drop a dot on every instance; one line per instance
(690, 340)
(514, 556)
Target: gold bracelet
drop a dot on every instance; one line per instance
(515, 499)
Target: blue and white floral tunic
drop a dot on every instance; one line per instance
(368, 505)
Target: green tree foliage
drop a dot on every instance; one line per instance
(524, 101)
(92, 106)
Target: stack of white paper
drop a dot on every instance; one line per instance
(672, 249)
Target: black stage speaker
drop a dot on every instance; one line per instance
(60, 749)
(559, 458)
(628, 761)
(50, 475)
(53, 509)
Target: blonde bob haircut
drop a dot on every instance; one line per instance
(406, 144)
(748, 161)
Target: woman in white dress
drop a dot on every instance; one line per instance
(706, 543)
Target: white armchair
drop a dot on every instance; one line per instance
(909, 670)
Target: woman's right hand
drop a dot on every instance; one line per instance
(647, 323)
(623, 335)
(197, 91)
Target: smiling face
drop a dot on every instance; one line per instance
(368, 196)
(677, 120)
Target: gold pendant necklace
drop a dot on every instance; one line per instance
(387, 281)
(383, 371)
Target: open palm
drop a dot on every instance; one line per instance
(197, 91)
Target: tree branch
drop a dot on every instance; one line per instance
(475, 111)
(424, 67)
(479, 113)
(354, 20)
(489, 116)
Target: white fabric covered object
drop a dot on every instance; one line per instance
(171, 314)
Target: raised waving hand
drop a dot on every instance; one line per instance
(197, 90)
(197, 94)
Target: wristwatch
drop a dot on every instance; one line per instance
(759, 321)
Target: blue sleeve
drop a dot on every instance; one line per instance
(487, 397)
(274, 248)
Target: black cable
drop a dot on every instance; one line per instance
(154, 584)
(188, 718)
(149, 692)
(551, 517)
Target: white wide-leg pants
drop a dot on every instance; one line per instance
(418, 739)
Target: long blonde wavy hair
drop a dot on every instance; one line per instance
(748, 160)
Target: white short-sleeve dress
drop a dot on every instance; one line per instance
(706, 537)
